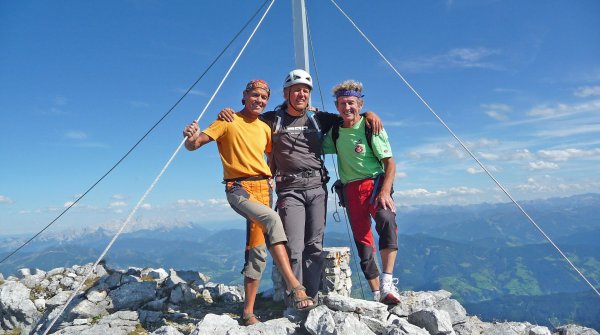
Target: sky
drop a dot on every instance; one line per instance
(81, 82)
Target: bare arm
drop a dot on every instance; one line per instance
(194, 139)
(374, 122)
(384, 198)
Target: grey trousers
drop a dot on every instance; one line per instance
(303, 214)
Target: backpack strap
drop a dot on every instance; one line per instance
(335, 134)
(278, 120)
(315, 122)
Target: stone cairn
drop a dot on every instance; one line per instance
(337, 275)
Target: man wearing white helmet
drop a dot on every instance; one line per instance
(300, 174)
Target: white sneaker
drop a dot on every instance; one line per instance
(389, 292)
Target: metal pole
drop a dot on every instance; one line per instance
(300, 35)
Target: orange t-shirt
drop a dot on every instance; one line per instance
(242, 144)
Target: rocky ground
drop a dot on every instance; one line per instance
(157, 301)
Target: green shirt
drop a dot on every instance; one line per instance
(356, 160)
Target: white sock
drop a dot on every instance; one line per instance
(375, 292)
(385, 277)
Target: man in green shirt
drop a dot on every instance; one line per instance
(367, 170)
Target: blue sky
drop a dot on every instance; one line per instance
(81, 82)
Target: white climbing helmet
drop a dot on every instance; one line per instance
(298, 76)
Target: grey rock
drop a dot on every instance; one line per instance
(150, 317)
(435, 321)
(472, 326)
(182, 294)
(377, 326)
(166, 330)
(59, 299)
(173, 279)
(96, 296)
(16, 310)
(54, 272)
(458, 314)
(132, 295)
(192, 276)
(341, 303)
(320, 321)
(214, 324)
(157, 274)
(22, 273)
(539, 330)
(508, 328)
(119, 323)
(399, 326)
(575, 330)
(156, 305)
(87, 309)
(411, 302)
(40, 304)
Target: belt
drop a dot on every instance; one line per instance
(283, 176)
(250, 178)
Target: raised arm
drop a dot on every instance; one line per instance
(384, 198)
(194, 139)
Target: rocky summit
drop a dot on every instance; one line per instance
(170, 302)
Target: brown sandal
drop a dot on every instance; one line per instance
(247, 317)
(297, 300)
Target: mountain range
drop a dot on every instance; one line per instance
(489, 256)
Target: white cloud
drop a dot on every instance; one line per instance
(563, 109)
(5, 200)
(463, 190)
(522, 154)
(146, 206)
(119, 197)
(542, 165)
(497, 111)
(566, 154)
(190, 202)
(455, 58)
(76, 135)
(66, 204)
(401, 175)
(117, 204)
(418, 193)
(477, 169)
(496, 115)
(218, 202)
(567, 130)
(587, 91)
(489, 156)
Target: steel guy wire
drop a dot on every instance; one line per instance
(141, 201)
(469, 152)
(140, 140)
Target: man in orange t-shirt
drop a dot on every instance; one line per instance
(242, 144)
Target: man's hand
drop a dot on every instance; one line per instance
(191, 130)
(384, 199)
(374, 122)
(226, 114)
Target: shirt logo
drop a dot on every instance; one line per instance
(359, 148)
